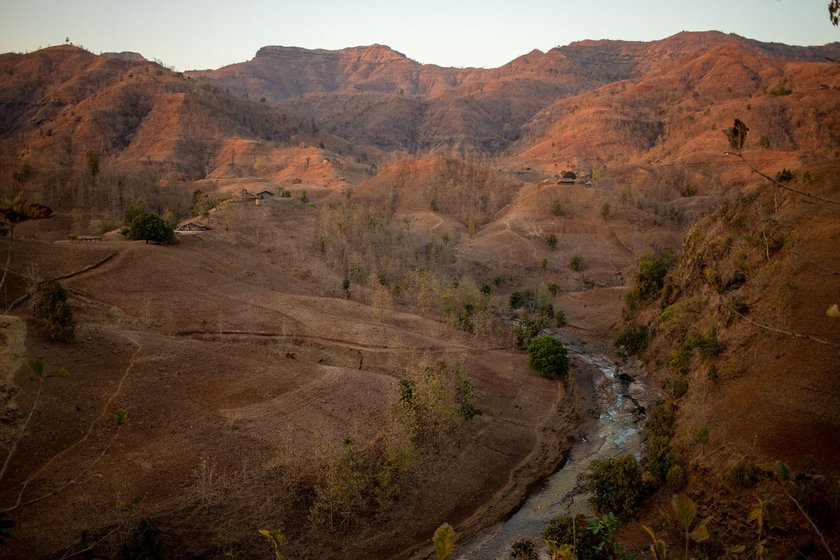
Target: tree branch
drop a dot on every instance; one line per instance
(22, 430)
(828, 271)
(20, 503)
(776, 329)
(778, 184)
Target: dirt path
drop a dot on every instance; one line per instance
(102, 414)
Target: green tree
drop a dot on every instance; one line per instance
(51, 306)
(834, 12)
(547, 355)
(616, 485)
(148, 226)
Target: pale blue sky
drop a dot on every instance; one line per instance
(198, 34)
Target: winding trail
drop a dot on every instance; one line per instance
(103, 412)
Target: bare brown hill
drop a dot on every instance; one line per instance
(376, 96)
(61, 102)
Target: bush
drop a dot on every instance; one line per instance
(51, 306)
(551, 241)
(634, 338)
(526, 329)
(742, 473)
(521, 299)
(523, 549)
(660, 457)
(576, 262)
(779, 90)
(650, 275)
(616, 485)
(565, 529)
(676, 479)
(662, 418)
(547, 356)
(784, 176)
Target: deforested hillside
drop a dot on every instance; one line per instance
(741, 329)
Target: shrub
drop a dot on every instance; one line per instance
(521, 299)
(557, 208)
(51, 306)
(565, 529)
(742, 473)
(526, 329)
(662, 417)
(634, 338)
(676, 479)
(551, 241)
(784, 176)
(660, 457)
(779, 90)
(576, 262)
(523, 549)
(650, 275)
(616, 485)
(547, 356)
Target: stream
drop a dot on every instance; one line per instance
(621, 394)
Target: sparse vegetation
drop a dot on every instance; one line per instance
(634, 338)
(51, 307)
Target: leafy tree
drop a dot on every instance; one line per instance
(834, 12)
(547, 355)
(616, 485)
(148, 226)
(51, 306)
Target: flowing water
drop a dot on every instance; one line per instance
(621, 394)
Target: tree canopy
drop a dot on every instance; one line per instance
(148, 226)
(547, 356)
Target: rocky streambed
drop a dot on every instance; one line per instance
(622, 393)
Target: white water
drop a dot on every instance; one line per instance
(616, 433)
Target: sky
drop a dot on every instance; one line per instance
(202, 34)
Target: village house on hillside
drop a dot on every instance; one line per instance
(192, 226)
(567, 178)
(265, 195)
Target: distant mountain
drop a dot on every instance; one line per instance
(576, 105)
(376, 96)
